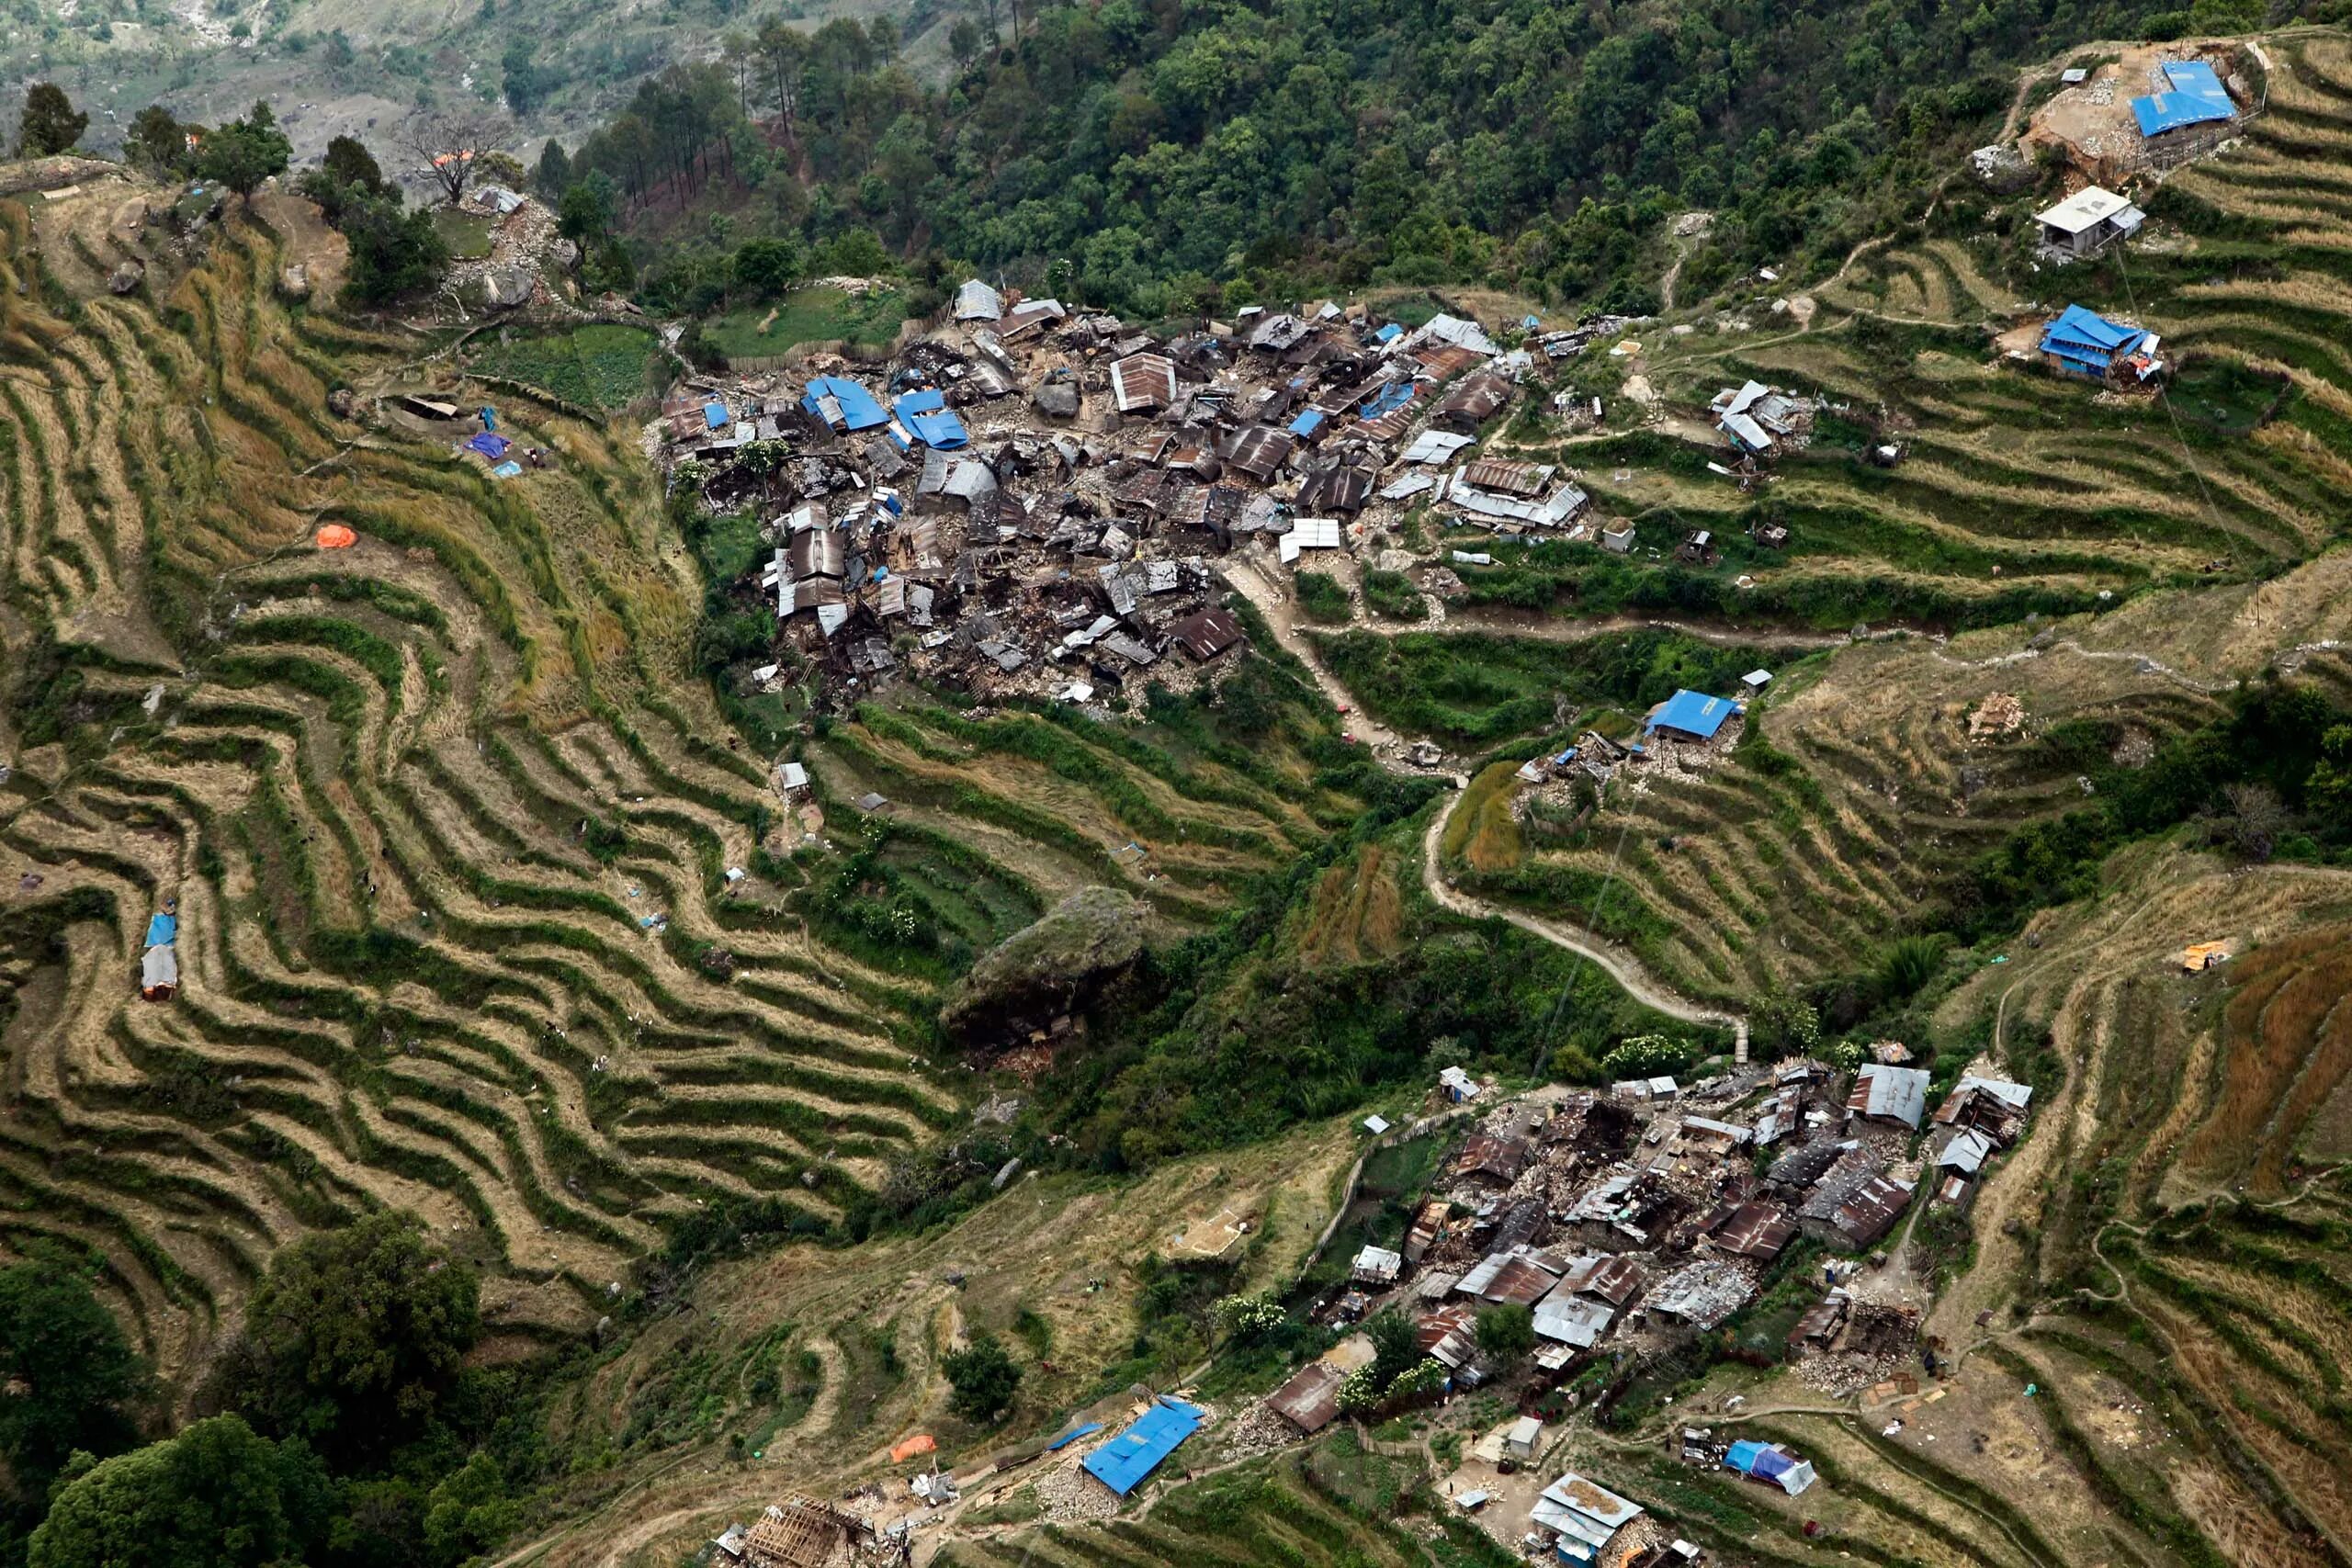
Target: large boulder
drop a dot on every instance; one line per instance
(1055, 400)
(1047, 969)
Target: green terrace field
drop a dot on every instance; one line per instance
(446, 827)
(813, 315)
(2019, 491)
(1332, 1506)
(591, 366)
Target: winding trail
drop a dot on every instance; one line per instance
(1280, 611)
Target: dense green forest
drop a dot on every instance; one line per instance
(1151, 154)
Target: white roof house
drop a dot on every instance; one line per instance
(2079, 212)
(1378, 1265)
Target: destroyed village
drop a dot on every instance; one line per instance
(1036, 783)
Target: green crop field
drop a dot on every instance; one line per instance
(594, 366)
(813, 315)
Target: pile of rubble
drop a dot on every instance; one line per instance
(1069, 1496)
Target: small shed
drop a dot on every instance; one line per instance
(1692, 716)
(1526, 1435)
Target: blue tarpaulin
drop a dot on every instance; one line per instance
(1742, 1457)
(489, 446)
(932, 420)
(1390, 333)
(489, 417)
(2197, 97)
(507, 471)
(715, 415)
(1307, 424)
(1067, 1438)
(857, 409)
(1395, 395)
(1693, 712)
(1124, 1461)
(163, 930)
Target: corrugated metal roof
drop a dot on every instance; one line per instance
(976, 301)
(1890, 1093)
(1143, 381)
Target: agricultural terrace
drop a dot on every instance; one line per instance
(450, 827)
(2018, 491)
(1865, 795)
(2180, 1298)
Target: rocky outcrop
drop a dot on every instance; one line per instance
(1047, 969)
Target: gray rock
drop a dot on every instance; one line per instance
(125, 278)
(1055, 400)
(1047, 968)
(504, 288)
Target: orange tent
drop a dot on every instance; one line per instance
(921, 1443)
(335, 536)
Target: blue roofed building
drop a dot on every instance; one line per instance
(1124, 1461)
(931, 421)
(1692, 715)
(2193, 96)
(2082, 342)
(715, 415)
(843, 404)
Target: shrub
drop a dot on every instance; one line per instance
(984, 1379)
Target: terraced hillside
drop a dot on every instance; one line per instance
(449, 823)
(1326, 1507)
(2018, 491)
(2178, 1298)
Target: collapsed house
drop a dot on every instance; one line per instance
(1760, 421)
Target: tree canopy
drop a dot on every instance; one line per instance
(985, 1379)
(71, 1375)
(353, 1337)
(218, 1496)
(243, 153)
(49, 124)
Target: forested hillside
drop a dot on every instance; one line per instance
(1157, 152)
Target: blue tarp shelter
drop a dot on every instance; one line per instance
(852, 406)
(2197, 97)
(714, 415)
(1124, 1461)
(1307, 424)
(1692, 713)
(1770, 1464)
(1067, 1438)
(163, 930)
(1390, 333)
(932, 420)
(489, 446)
(489, 417)
(2087, 344)
(1393, 396)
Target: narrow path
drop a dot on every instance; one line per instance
(1279, 611)
(1617, 964)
